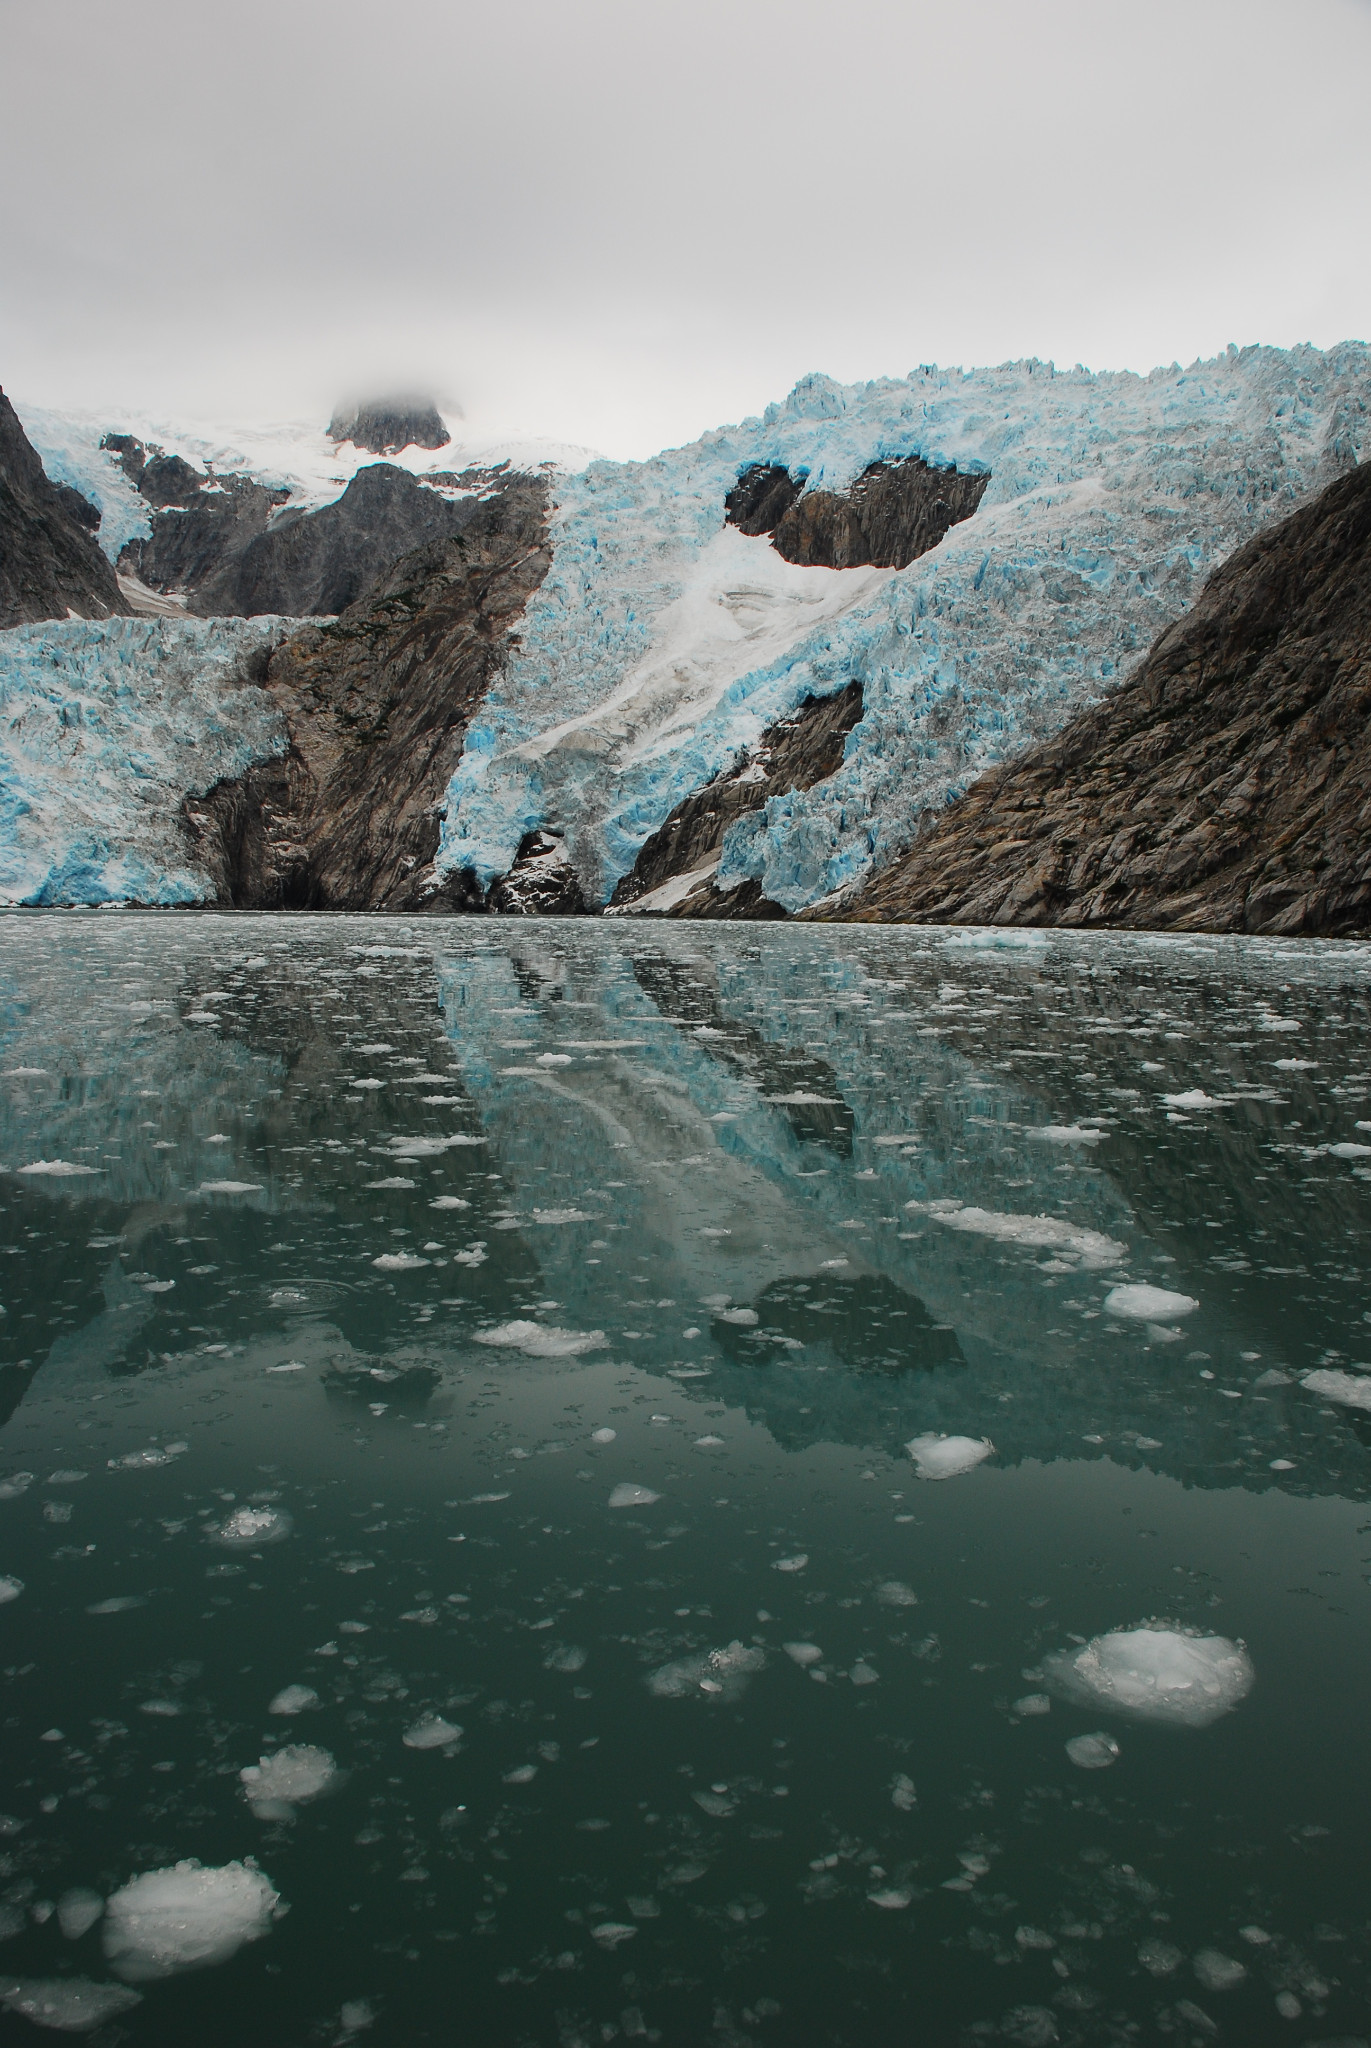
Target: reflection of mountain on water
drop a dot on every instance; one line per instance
(376, 1384)
(867, 1323)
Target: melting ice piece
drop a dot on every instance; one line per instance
(541, 1340)
(791, 1564)
(288, 1778)
(58, 1168)
(1193, 1098)
(10, 1589)
(1032, 1703)
(294, 1699)
(394, 1180)
(803, 1654)
(627, 1496)
(1067, 1134)
(718, 1674)
(229, 1187)
(565, 1657)
(448, 1202)
(1160, 1958)
(431, 1731)
(1147, 1304)
(611, 1934)
(249, 1527)
(945, 1457)
(69, 2005)
(1093, 1752)
(187, 1917)
(893, 1899)
(603, 1436)
(895, 1593)
(78, 1910)
(1349, 1389)
(1218, 1972)
(1038, 1233)
(1156, 1674)
(562, 1216)
(902, 1793)
(745, 1318)
(426, 1148)
(398, 1262)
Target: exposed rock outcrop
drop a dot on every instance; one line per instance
(386, 425)
(50, 564)
(795, 753)
(1225, 787)
(376, 705)
(541, 883)
(894, 512)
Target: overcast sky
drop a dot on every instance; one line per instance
(620, 222)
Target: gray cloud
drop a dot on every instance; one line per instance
(620, 223)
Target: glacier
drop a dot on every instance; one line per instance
(106, 726)
(662, 644)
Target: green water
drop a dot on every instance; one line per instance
(701, 1187)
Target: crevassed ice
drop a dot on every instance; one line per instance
(186, 1917)
(661, 644)
(1156, 1674)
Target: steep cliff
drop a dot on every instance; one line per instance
(1225, 787)
(376, 704)
(50, 564)
(386, 425)
(893, 513)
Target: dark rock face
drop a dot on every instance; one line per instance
(795, 753)
(376, 705)
(49, 562)
(894, 512)
(541, 883)
(1225, 787)
(200, 523)
(386, 425)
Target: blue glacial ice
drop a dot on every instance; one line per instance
(105, 727)
(662, 644)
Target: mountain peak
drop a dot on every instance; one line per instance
(386, 425)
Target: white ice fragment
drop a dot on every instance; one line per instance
(58, 1168)
(946, 1457)
(803, 1654)
(612, 1934)
(393, 1182)
(718, 1674)
(791, 1564)
(248, 1527)
(566, 1657)
(229, 1187)
(893, 1899)
(1218, 1972)
(186, 1917)
(10, 1589)
(1066, 1134)
(1093, 1752)
(68, 2005)
(1156, 1674)
(744, 1318)
(629, 1496)
(289, 1777)
(427, 1148)
(562, 1216)
(522, 1774)
(448, 1202)
(1348, 1389)
(895, 1593)
(16, 1485)
(120, 1604)
(903, 1796)
(399, 1262)
(431, 1731)
(78, 1910)
(863, 1673)
(1347, 1150)
(1160, 1958)
(1147, 1304)
(1032, 1703)
(1192, 1098)
(1091, 1248)
(541, 1340)
(603, 1436)
(294, 1699)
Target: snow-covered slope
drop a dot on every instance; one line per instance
(662, 644)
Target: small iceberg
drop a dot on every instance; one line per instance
(1145, 1304)
(68, 2005)
(187, 1917)
(1155, 1674)
(947, 1457)
(540, 1340)
(1349, 1389)
(629, 1496)
(431, 1731)
(247, 1528)
(288, 1778)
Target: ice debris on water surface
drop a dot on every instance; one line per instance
(288, 1778)
(78, 1910)
(803, 1654)
(1093, 1752)
(187, 1917)
(946, 1457)
(895, 1593)
(399, 1262)
(1155, 1673)
(230, 1187)
(567, 1657)
(58, 1169)
(67, 2005)
(431, 1731)
(717, 1674)
(294, 1699)
(1348, 1389)
(629, 1496)
(1218, 1972)
(540, 1340)
(10, 1588)
(1142, 1303)
(247, 1527)
(1091, 1248)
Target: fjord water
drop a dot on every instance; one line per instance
(460, 1372)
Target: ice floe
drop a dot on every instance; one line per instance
(1348, 1389)
(187, 1917)
(628, 1496)
(399, 1262)
(1091, 1248)
(1155, 1673)
(431, 1731)
(1145, 1304)
(294, 1699)
(540, 1340)
(10, 1589)
(289, 1777)
(717, 1674)
(1093, 1752)
(67, 2005)
(78, 1910)
(946, 1457)
(249, 1527)
(58, 1168)
(230, 1187)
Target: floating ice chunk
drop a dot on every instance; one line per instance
(448, 1202)
(895, 1593)
(541, 1340)
(744, 1318)
(431, 1731)
(903, 1796)
(1033, 1938)
(718, 1674)
(1347, 1150)
(294, 1699)
(1348, 1389)
(791, 1564)
(78, 1910)
(1160, 1958)
(612, 1934)
(893, 1899)
(1156, 1674)
(1218, 1972)
(1049, 1233)
(249, 1527)
(68, 2005)
(399, 1262)
(562, 1216)
(1093, 1752)
(946, 1457)
(428, 1148)
(1066, 1134)
(187, 1917)
(565, 1657)
(863, 1673)
(1146, 1304)
(10, 1589)
(629, 1496)
(1032, 1703)
(395, 1181)
(145, 1461)
(229, 1187)
(1192, 1098)
(120, 1604)
(17, 1484)
(603, 1436)
(288, 1778)
(58, 1168)
(522, 1774)
(803, 1654)
(160, 1710)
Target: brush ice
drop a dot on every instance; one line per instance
(68, 2005)
(718, 1674)
(1349, 1389)
(541, 1340)
(1037, 1233)
(1145, 1304)
(186, 1917)
(946, 1457)
(288, 1778)
(431, 1731)
(248, 1527)
(627, 1496)
(1156, 1674)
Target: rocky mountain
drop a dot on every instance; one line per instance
(386, 425)
(1226, 786)
(50, 564)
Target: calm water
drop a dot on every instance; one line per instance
(517, 1329)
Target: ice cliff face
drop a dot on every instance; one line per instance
(664, 642)
(105, 726)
